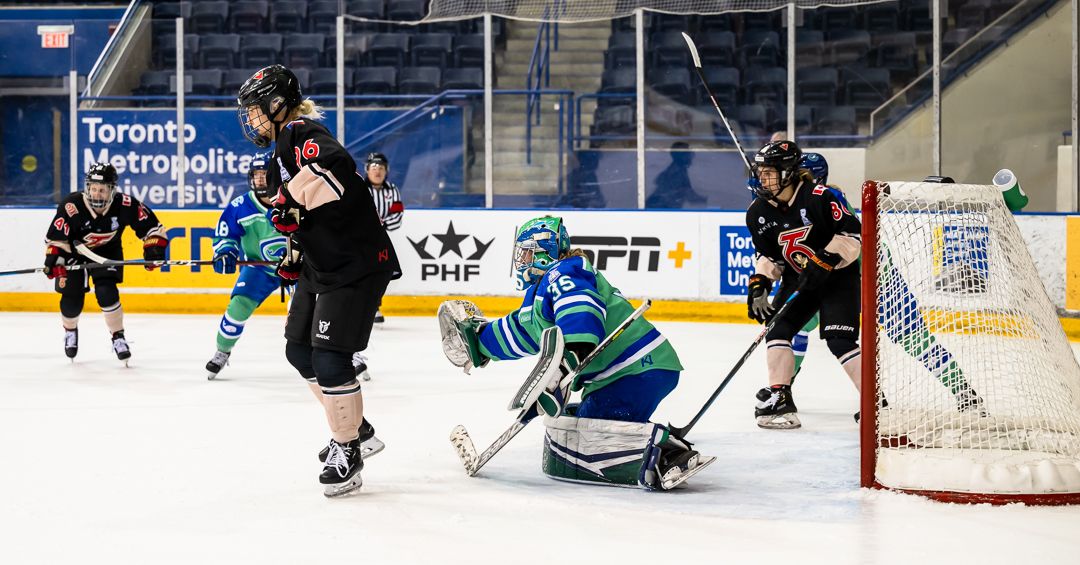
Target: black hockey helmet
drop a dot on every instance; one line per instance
(275, 90)
(101, 173)
(376, 159)
(259, 162)
(784, 156)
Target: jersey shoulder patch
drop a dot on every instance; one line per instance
(71, 209)
(238, 201)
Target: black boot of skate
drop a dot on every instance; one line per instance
(120, 346)
(369, 444)
(71, 343)
(776, 409)
(216, 364)
(967, 400)
(341, 475)
(883, 404)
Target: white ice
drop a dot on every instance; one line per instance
(154, 464)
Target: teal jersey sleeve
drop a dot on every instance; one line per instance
(569, 292)
(513, 336)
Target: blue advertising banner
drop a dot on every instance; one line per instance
(141, 144)
(736, 259)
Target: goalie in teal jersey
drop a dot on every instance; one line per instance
(607, 438)
(245, 229)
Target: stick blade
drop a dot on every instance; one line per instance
(463, 446)
(693, 50)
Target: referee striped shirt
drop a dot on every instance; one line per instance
(388, 203)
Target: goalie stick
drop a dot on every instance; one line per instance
(701, 74)
(681, 432)
(462, 442)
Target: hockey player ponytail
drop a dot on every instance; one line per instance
(307, 109)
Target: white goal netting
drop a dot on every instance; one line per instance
(978, 385)
(589, 10)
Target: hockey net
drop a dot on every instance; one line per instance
(971, 385)
(591, 10)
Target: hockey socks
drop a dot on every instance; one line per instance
(232, 323)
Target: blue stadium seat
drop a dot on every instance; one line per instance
(724, 82)
(916, 16)
(619, 81)
(817, 86)
(882, 18)
(765, 85)
(165, 50)
(668, 48)
(848, 46)
(388, 50)
(751, 116)
(760, 48)
(249, 16)
(463, 79)
(322, 16)
(866, 87)
(717, 22)
(431, 50)
(621, 51)
(673, 82)
(155, 83)
(835, 19)
(208, 17)
(898, 53)
(717, 49)
(614, 120)
(952, 39)
(233, 80)
(810, 47)
(219, 51)
(260, 50)
(760, 21)
(973, 14)
(803, 120)
(303, 50)
(324, 81)
(406, 10)
(375, 80)
(835, 120)
(172, 10)
(662, 22)
(419, 80)
(469, 50)
(367, 9)
(289, 16)
(355, 47)
(205, 82)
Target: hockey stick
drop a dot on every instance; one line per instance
(139, 262)
(681, 432)
(462, 442)
(701, 75)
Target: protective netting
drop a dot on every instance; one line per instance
(981, 390)
(589, 10)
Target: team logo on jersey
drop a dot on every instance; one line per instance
(324, 327)
(115, 223)
(93, 240)
(71, 209)
(444, 267)
(791, 245)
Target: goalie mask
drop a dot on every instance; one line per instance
(538, 244)
(265, 100)
(100, 186)
(260, 184)
(784, 156)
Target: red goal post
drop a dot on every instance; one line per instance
(971, 391)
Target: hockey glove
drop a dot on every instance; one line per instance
(758, 307)
(154, 248)
(285, 221)
(553, 399)
(817, 268)
(290, 267)
(225, 261)
(55, 259)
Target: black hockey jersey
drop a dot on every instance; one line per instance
(814, 221)
(340, 231)
(76, 222)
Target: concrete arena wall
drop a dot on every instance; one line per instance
(693, 264)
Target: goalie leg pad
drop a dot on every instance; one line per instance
(460, 324)
(604, 452)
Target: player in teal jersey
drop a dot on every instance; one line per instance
(620, 388)
(245, 228)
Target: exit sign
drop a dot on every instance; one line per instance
(55, 37)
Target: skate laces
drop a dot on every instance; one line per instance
(119, 344)
(220, 358)
(71, 338)
(337, 458)
(359, 359)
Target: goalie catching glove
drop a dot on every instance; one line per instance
(460, 324)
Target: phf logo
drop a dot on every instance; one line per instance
(466, 266)
(323, 326)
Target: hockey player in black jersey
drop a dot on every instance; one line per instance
(388, 203)
(808, 239)
(91, 223)
(340, 258)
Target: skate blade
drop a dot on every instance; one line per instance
(463, 446)
(341, 489)
(674, 478)
(210, 376)
(779, 422)
(365, 376)
(371, 447)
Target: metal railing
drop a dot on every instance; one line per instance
(539, 71)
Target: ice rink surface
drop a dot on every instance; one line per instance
(154, 464)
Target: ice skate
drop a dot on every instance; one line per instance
(776, 409)
(676, 467)
(379, 317)
(120, 347)
(967, 400)
(216, 364)
(369, 444)
(71, 343)
(341, 475)
(359, 363)
(883, 404)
